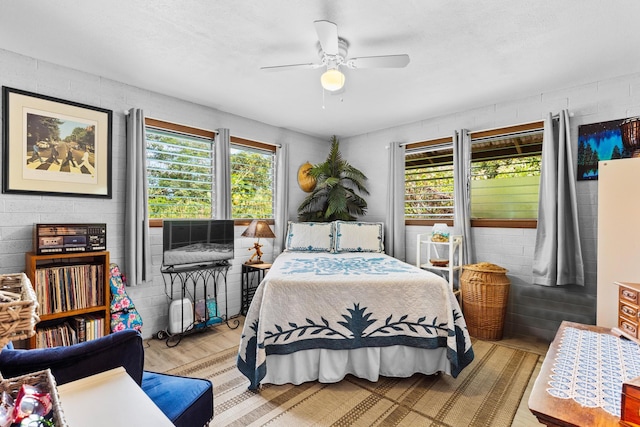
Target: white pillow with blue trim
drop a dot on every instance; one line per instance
(353, 236)
(309, 237)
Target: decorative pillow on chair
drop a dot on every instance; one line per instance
(359, 236)
(123, 313)
(309, 237)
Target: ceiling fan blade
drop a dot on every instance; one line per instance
(327, 36)
(308, 66)
(385, 61)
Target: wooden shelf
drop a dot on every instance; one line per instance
(36, 262)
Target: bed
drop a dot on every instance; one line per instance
(334, 304)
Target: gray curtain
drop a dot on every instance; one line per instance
(462, 193)
(137, 251)
(557, 258)
(222, 147)
(395, 234)
(281, 214)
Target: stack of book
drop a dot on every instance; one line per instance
(77, 330)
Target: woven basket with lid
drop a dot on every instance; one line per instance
(485, 293)
(18, 308)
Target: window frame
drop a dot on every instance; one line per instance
(234, 140)
(177, 128)
(485, 222)
(423, 144)
(505, 131)
(209, 134)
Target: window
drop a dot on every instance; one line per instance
(505, 175)
(429, 181)
(252, 179)
(179, 170)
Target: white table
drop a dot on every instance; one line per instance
(107, 399)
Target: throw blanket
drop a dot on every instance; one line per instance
(347, 301)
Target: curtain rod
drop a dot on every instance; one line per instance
(557, 116)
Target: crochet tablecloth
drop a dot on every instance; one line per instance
(590, 368)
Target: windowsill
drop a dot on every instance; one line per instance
(493, 223)
(239, 222)
(428, 222)
(505, 223)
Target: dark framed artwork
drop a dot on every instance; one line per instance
(599, 141)
(55, 147)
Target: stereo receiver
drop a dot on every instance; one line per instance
(68, 238)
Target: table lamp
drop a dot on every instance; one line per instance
(258, 228)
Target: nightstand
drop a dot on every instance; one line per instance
(252, 275)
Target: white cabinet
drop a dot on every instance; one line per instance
(443, 258)
(618, 234)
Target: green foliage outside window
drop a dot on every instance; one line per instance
(252, 183)
(429, 192)
(505, 177)
(505, 188)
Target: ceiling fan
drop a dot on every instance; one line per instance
(333, 52)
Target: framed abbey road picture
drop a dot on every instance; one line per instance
(55, 147)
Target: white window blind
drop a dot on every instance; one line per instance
(180, 175)
(429, 182)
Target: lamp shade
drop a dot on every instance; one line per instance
(259, 228)
(332, 80)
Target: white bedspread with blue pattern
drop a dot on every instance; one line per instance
(348, 301)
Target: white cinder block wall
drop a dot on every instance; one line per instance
(19, 212)
(532, 310)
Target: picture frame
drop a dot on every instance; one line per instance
(55, 147)
(597, 142)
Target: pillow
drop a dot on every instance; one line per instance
(309, 237)
(359, 236)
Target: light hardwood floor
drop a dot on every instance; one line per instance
(158, 357)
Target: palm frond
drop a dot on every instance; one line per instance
(334, 196)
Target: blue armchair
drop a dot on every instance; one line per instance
(187, 402)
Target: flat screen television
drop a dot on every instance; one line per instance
(196, 242)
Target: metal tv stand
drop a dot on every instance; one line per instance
(185, 281)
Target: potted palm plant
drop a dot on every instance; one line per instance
(335, 194)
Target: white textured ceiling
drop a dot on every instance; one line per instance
(464, 54)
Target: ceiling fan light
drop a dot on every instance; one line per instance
(332, 80)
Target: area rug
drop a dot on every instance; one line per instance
(486, 393)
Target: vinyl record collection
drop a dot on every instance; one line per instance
(70, 287)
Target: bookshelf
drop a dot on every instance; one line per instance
(69, 287)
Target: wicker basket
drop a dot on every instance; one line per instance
(485, 291)
(18, 308)
(43, 381)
